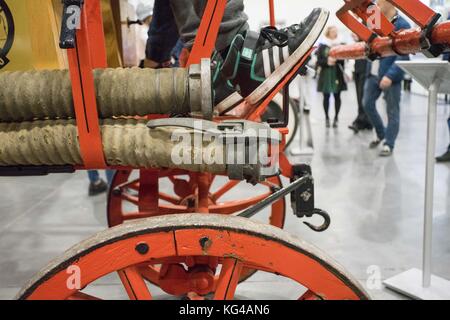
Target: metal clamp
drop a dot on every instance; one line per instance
(428, 49)
(200, 89)
(239, 138)
(302, 198)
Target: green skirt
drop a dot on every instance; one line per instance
(329, 82)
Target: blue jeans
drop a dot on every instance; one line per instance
(94, 175)
(180, 19)
(162, 34)
(392, 96)
(448, 122)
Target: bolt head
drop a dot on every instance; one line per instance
(142, 248)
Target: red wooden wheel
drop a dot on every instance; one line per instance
(221, 247)
(179, 197)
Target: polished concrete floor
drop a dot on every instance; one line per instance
(376, 205)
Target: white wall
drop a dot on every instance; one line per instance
(289, 12)
(293, 11)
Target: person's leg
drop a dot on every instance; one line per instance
(326, 105)
(188, 14)
(393, 96)
(359, 84)
(110, 176)
(363, 120)
(93, 176)
(448, 123)
(372, 92)
(162, 35)
(337, 105)
(96, 185)
(446, 156)
(326, 108)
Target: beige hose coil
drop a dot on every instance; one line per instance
(31, 95)
(126, 142)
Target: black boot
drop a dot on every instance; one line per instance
(96, 188)
(445, 157)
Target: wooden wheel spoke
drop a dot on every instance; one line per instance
(228, 279)
(169, 198)
(238, 205)
(134, 185)
(227, 187)
(150, 273)
(82, 296)
(172, 179)
(134, 284)
(129, 198)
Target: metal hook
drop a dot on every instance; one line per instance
(326, 223)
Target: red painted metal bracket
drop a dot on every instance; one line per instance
(363, 9)
(89, 53)
(417, 11)
(429, 38)
(421, 14)
(206, 38)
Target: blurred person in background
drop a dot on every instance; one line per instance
(331, 74)
(144, 14)
(446, 156)
(97, 185)
(175, 24)
(360, 74)
(384, 76)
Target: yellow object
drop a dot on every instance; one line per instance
(36, 32)
(36, 35)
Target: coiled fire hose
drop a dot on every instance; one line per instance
(40, 95)
(126, 142)
(38, 125)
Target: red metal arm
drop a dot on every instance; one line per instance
(208, 31)
(273, 22)
(89, 53)
(383, 41)
(404, 42)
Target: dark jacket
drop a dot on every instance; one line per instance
(388, 67)
(322, 64)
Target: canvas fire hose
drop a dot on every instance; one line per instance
(86, 117)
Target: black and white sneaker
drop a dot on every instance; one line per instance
(96, 188)
(386, 151)
(256, 63)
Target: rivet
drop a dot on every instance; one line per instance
(142, 248)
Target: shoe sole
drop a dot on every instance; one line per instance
(271, 82)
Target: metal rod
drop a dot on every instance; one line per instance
(405, 42)
(429, 183)
(250, 212)
(272, 13)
